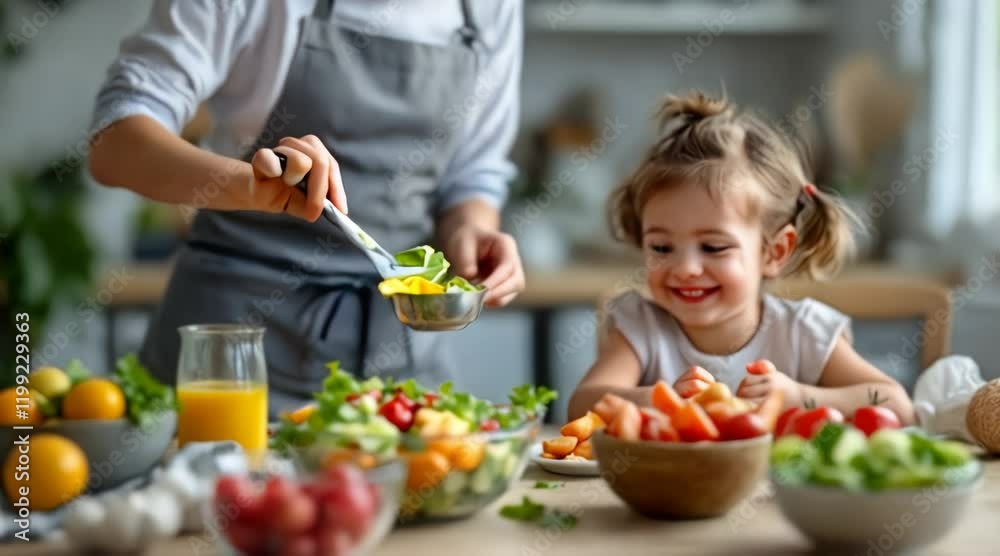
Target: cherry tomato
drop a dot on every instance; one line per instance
(745, 425)
(296, 515)
(398, 414)
(810, 421)
(781, 428)
(872, 418)
(237, 497)
(489, 425)
(405, 400)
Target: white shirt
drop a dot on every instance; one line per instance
(234, 55)
(797, 336)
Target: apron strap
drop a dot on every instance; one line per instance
(469, 30)
(323, 9)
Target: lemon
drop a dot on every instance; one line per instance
(55, 472)
(50, 382)
(94, 398)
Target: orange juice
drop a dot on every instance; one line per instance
(213, 410)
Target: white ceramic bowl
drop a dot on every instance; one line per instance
(894, 521)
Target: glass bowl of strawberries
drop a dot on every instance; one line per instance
(345, 508)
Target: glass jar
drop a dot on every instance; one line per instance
(222, 385)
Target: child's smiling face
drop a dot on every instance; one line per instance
(706, 260)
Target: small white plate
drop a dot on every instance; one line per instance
(564, 467)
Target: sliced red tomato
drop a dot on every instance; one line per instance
(745, 425)
(810, 421)
(781, 428)
(721, 412)
(489, 425)
(872, 418)
(430, 398)
(405, 400)
(396, 412)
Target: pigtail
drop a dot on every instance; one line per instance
(825, 240)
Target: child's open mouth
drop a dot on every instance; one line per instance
(694, 295)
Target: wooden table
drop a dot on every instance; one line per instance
(607, 527)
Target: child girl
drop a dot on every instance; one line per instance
(721, 203)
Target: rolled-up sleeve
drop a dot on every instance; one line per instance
(178, 59)
(481, 168)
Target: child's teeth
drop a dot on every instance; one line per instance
(692, 293)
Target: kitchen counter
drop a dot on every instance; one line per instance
(606, 526)
(581, 283)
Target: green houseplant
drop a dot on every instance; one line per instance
(45, 254)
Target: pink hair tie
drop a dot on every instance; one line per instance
(809, 189)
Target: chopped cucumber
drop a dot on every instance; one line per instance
(509, 466)
(792, 449)
(482, 478)
(498, 451)
(440, 502)
(455, 482)
(840, 456)
(839, 444)
(917, 476)
(836, 476)
(950, 454)
(891, 446)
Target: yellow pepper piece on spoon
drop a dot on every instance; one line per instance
(410, 285)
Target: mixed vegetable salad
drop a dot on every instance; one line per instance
(840, 455)
(434, 278)
(462, 451)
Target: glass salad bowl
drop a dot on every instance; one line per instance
(342, 509)
(462, 453)
(455, 476)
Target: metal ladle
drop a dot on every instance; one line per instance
(429, 312)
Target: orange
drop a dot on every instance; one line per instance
(8, 409)
(94, 398)
(56, 472)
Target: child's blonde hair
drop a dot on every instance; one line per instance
(707, 141)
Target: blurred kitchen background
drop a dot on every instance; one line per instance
(897, 98)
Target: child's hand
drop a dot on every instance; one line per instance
(763, 378)
(693, 381)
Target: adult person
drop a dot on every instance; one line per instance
(405, 111)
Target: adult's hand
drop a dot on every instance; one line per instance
(489, 257)
(274, 191)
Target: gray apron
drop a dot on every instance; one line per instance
(380, 106)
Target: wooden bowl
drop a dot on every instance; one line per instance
(682, 480)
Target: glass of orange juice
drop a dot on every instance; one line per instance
(222, 386)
